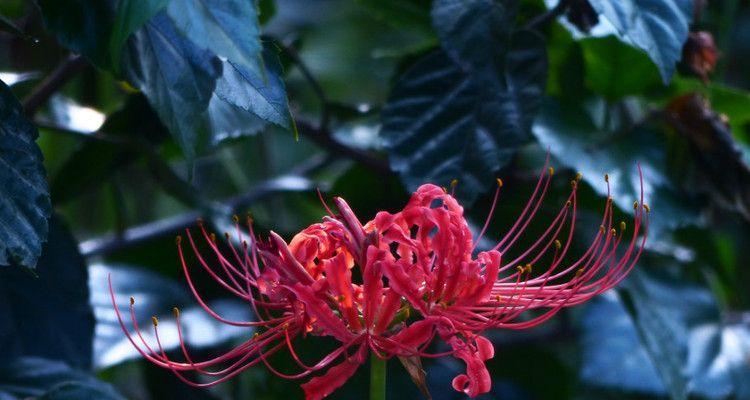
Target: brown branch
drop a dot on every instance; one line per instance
(321, 134)
(323, 138)
(171, 226)
(52, 83)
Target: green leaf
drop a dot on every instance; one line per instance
(664, 327)
(83, 26)
(229, 28)
(227, 121)
(566, 64)
(658, 27)
(262, 96)
(130, 16)
(579, 137)
(615, 70)
(48, 315)
(407, 14)
(657, 336)
(266, 10)
(24, 200)
(441, 123)
(177, 77)
(45, 379)
(474, 32)
(199, 98)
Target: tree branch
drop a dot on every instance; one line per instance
(52, 83)
(323, 138)
(169, 226)
(291, 52)
(321, 134)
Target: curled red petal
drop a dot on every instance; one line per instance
(477, 379)
(321, 386)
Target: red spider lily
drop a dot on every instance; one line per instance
(417, 279)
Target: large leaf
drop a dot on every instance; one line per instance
(441, 123)
(474, 32)
(229, 28)
(48, 315)
(130, 16)
(614, 69)
(155, 295)
(24, 198)
(229, 121)
(705, 357)
(201, 99)
(177, 77)
(577, 135)
(83, 26)
(264, 97)
(44, 379)
(658, 27)
(659, 335)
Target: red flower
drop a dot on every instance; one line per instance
(417, 279)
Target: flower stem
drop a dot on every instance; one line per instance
(377, 378)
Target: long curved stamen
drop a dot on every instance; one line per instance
(489, 214)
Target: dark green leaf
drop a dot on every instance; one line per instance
(658, 27)
(266, 10)
(658, 337)
(24, 199)
(566, 65)
(577, 136)
(83, 26)
(229, 121)
(177, 78)
(264, 97)
(615, 70)
(474, 32)
(409, 14)
(442, 123)
(228, 28)
(200, 99)
(44, 379)
(49, 315)
(130, 16)
(674, 331)
(155, 295)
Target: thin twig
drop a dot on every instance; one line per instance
(291, 52)
(52, 83)
(324, 139)
(321, 134)
(543, 19)
(170, 226)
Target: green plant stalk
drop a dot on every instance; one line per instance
(377, 378)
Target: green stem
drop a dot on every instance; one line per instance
(377, 378)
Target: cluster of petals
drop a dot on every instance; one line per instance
(396, 285)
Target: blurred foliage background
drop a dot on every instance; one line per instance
(152, 113)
